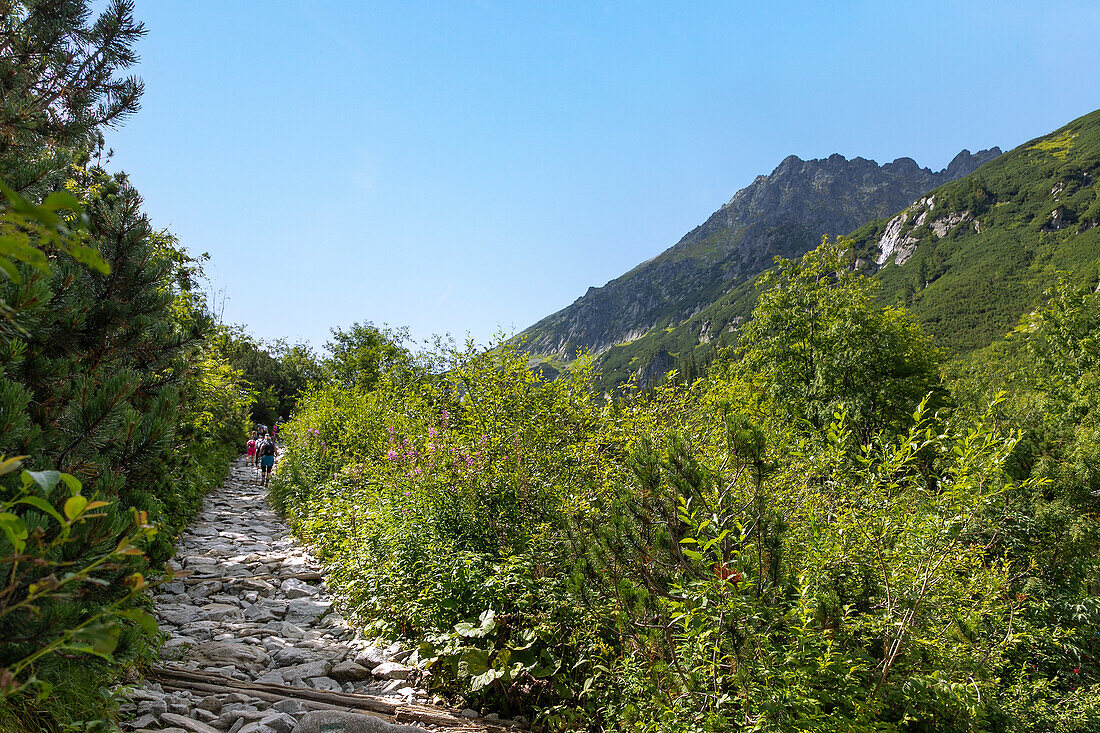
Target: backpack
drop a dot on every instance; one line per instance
(268, 448)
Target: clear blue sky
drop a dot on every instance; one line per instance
(466, 167)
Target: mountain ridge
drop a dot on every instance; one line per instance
(784, 213)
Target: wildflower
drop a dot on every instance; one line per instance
(392, 455)
(431, 432)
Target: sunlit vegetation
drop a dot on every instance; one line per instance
(827, 532)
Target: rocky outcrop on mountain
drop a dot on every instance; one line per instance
(898, 240)
(785, 214)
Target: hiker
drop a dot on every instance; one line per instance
(252, 449)
(256, 456)
(275, 431)
(268, 450)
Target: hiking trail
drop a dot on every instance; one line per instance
(254, 645)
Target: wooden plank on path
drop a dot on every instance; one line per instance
(394, 712)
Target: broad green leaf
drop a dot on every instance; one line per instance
(41, 505)
(15, 530)
(17, 248)
(44, 688)
(486, 678)
(74, 507)
(142, 619)
(7, 465)
(503, 657)
(86, 255)
(99, 639)
(473, 662)
(61, 200)
(46, 479)
(72, 482)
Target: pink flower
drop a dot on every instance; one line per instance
(431, 432)
(391, 455)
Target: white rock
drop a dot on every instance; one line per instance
(392, 671)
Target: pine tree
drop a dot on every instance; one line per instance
(60, 83)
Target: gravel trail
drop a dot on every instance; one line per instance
(254, 644)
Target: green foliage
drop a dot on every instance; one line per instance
(276, 373)
(1048, 368)
(26, 228)
(811, 537)
(438, 501)
(36, 525)
(61, 68)
(107, 377)
(821, 345)
(359, 356)
(1028, 215)
(966, 288)
(104, 376)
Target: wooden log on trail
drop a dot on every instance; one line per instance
(392, 712)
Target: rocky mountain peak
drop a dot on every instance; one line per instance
(784, 213)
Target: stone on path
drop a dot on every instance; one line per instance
(335, 721)
(246, 657)
(187, 723)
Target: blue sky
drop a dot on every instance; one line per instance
(469, 167)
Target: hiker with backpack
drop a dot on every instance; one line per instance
(267, 452)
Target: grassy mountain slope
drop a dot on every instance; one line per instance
(970, 259)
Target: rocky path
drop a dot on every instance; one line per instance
(254, 644)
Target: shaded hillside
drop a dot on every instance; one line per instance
(785, 213)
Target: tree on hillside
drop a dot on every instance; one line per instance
(359, 356)
(819, 344)
(60, 83)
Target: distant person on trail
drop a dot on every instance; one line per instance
(252, 449)
(268, 450)
(275, 431)
(256, 456)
